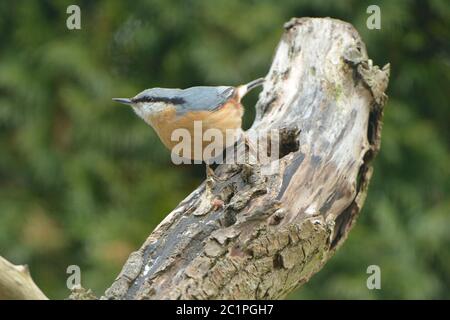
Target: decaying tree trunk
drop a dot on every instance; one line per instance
(275, 231)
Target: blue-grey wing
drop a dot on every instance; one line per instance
(188, 100)
(204, 98)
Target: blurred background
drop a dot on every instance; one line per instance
(83, 181)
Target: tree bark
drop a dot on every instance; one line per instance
(16, 283)
(275, 231)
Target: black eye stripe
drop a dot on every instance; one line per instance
(159, 99)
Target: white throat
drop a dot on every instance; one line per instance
(144, 109)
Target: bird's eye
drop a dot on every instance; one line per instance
(144, 99)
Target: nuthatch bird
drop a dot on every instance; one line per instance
(215, 107)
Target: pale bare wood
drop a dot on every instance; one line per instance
(16, 283)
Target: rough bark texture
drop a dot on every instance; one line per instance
(275, 231)
(16, 283)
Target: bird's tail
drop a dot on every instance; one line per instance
(255, 83)
(245, 88)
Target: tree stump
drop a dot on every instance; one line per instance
(275, 231)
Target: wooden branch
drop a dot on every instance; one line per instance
(16, 283)
(275, 231)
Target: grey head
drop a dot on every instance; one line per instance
(184, 100)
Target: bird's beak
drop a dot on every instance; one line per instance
(123, 100)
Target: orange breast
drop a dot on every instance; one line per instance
(228, 117)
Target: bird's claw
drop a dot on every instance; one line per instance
(211, 175)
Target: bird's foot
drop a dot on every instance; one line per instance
(211, 175)
(211, 178)
(216, 202)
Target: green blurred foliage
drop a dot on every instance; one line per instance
(83, 180)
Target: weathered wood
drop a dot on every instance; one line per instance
(275, 231)
(16, 283)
